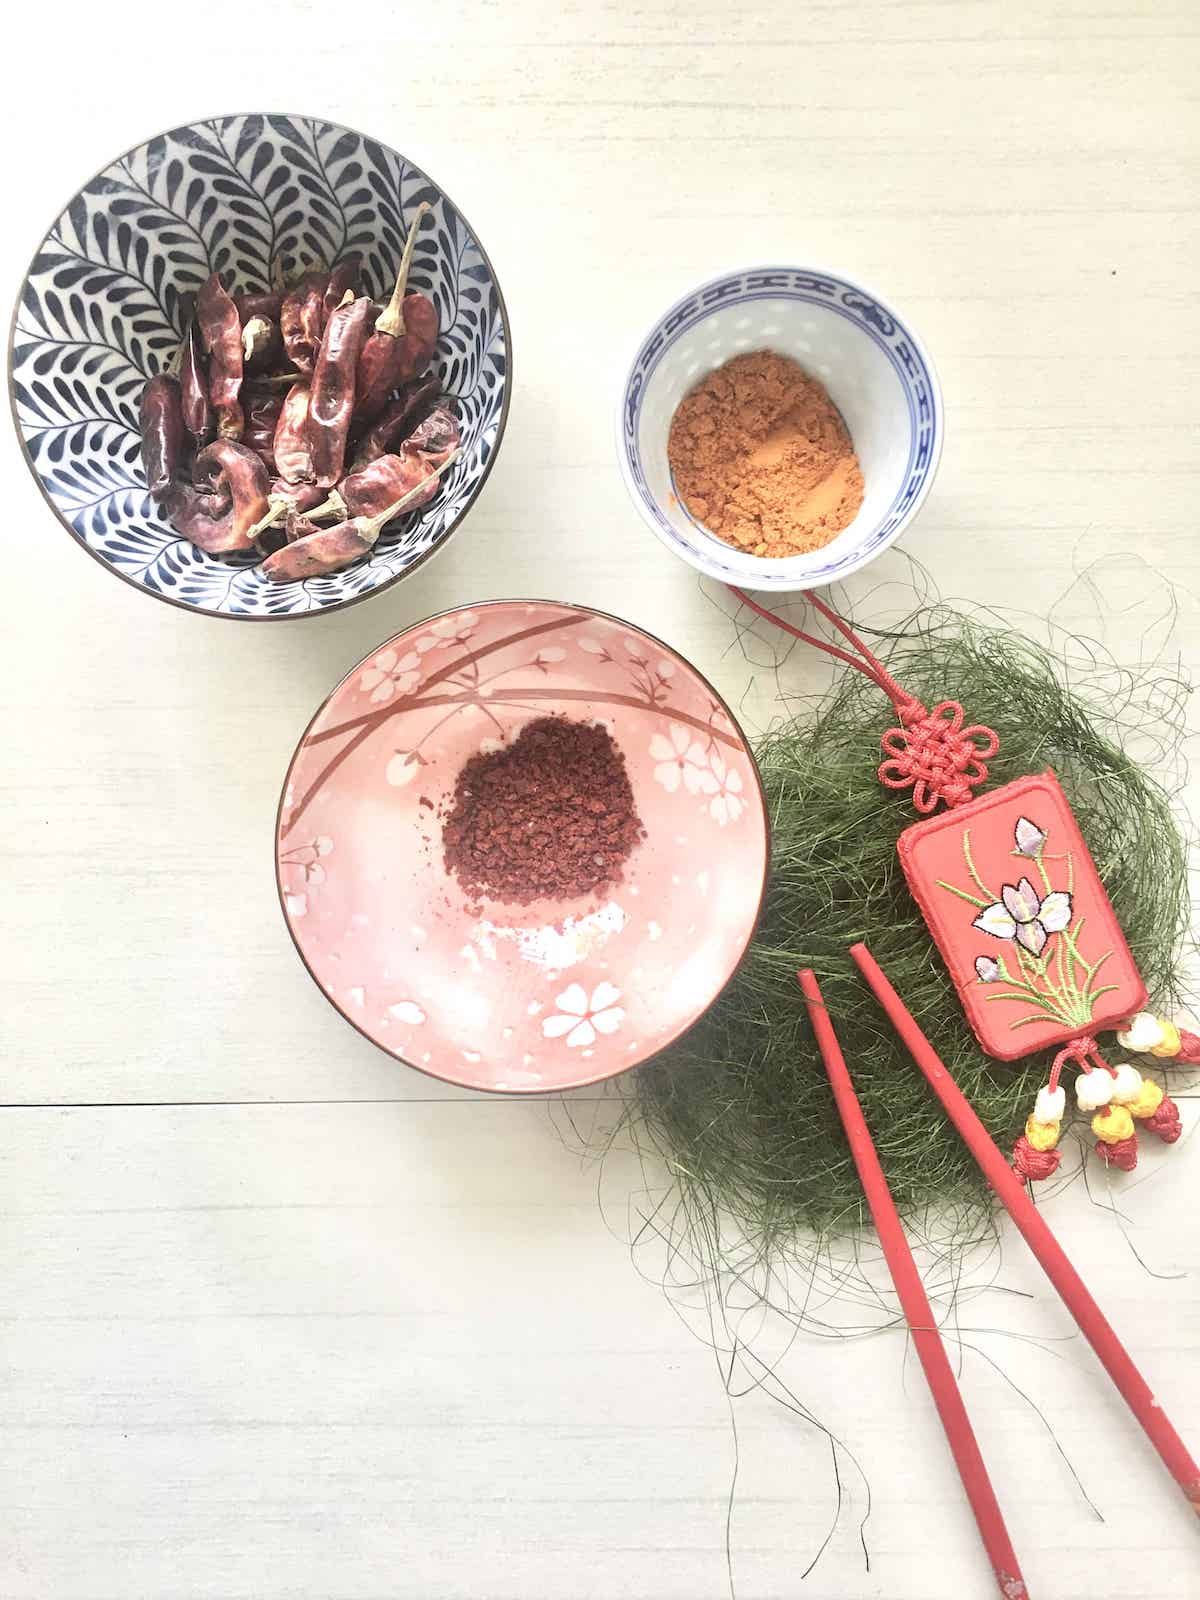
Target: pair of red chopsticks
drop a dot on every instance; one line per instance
(911, 1291)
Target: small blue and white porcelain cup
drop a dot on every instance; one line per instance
(877, 373)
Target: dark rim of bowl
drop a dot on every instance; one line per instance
(336, 605)
(603, 1077)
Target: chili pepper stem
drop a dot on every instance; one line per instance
(335, 506)
(277, 504)
(391, 318)
(371, 527)
(250, 333)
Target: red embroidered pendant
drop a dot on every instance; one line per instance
(1021, 919)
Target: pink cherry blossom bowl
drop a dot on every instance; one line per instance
(518, 998)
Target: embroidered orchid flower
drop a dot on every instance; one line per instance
(581, 1017)
(986, 969)
(1029, 837)
(1022, 914)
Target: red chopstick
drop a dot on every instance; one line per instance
(911, 1292)
(1139, 1397)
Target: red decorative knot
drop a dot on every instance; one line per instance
(932, 754)
(1122, 1155)
(1165, 1122)
(1189, 1049)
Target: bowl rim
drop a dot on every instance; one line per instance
(334, 605)
(576, 1083)
(783, 583)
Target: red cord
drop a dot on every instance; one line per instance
(877, 677)
(899, 696)
(931, 752)
(1077, 1051)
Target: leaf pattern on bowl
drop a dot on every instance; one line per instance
(103, 304)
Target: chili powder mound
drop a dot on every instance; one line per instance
(760, 455)
(552, 815)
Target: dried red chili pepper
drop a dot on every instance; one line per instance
(421, 329)
(394, 352)
(283, 500)
(316, 554)
(344, 276)
(332, 400)
(398, 419)
(221, 331)
(263, 408)
(193, 381)
(435, 437)
(293, 453)
(299, 526)
(297, 496)
(161, 418)
(366, 492)
(265, 303)
(329, 549)
(228, 496)
(302, 320)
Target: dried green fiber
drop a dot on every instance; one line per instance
(740, 1108)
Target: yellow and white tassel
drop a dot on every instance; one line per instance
(1151, 1035)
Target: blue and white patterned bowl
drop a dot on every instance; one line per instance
(876, 371)
(99, 312)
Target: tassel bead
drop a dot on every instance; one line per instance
(1127, 1084)
(1149, 1098)
(1143, 1033)
(1033, 1165)
(1094, 1089)
(1051, 1104)
(1165, 1121)
(1168, 1045)
(1113, 1125)
(1122, 1155)
(1041, 1135)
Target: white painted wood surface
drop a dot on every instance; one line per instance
(284, 1321)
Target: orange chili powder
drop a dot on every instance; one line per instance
(762, 457)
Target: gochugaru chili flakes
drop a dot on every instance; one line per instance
(552, 815)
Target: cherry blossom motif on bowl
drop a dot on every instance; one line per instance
(557, 993)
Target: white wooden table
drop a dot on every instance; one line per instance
(285, 1321)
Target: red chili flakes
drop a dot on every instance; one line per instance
(551, 815)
